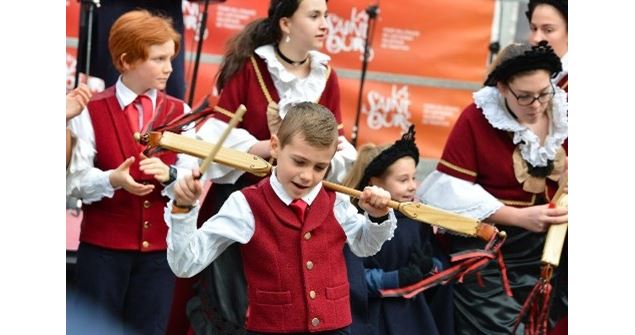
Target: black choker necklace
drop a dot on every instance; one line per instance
(286, 59)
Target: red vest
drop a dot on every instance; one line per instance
(125, 221)
(296, 274)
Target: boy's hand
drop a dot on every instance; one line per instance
(76, 100)
(374, 200)
(187, 190)
(120, 177)
(155, 167)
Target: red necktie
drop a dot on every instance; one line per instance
(299, 207)
(133, 112)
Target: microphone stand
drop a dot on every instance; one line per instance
(199, 48)
(372, 12)
(85, 37)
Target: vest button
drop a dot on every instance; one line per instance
(309, 265)
(315, 322)
(146, 204)
(312, 294)
(146, 224)
(145, 244)
(307, 236)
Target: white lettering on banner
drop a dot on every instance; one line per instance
(347, 36)
(191, 18)
(391, 111)
(233, 17)
(438, 115)
(397, 39)
(71, 65)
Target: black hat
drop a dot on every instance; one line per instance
(560, 5)
(538, 57)
(403, 147)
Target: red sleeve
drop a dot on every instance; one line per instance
(234, 93)
(331, 99)
(459, 155)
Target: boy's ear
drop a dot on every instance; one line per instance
(275, 146)
(124, 64)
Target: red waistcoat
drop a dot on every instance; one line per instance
(126, 221)
(253, 86)
(296, 274)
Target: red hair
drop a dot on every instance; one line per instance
(134, 32)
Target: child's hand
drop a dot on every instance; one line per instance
(155, 167)
(374, 200)
(120, 177)
(187, 190)
(76, 100)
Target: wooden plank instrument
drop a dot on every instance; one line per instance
(451, 222)
(536, 306)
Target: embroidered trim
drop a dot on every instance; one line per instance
(261, 81)
(519, 203)
(456, 168)
(223, 111)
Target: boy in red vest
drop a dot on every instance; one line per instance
(292, 231)
(121, 259)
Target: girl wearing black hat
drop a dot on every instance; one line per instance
(410, 256)
(501, 164)
(548, 20)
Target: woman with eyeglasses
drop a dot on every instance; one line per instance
(501, 164)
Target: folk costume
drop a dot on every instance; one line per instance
(491, 160)
(121, 256)
(266, 89)
(293, 262)
(427, 313)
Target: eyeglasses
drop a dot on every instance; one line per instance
(526, 100)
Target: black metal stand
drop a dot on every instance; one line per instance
(85, 38)
(372, 12)
(199, 48)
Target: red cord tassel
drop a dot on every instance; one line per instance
(536, 306)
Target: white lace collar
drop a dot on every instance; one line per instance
(492, 103)
(291, 88)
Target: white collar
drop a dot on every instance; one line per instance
(266, 52)
(492, 104)
(282, 194)
(126, 96)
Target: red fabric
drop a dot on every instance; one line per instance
(244, 88)
(133, 112)
(477, 152)
(561, 327)
(299, 207)
(276, 263)
(125, 221)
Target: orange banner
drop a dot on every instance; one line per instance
(389, 109)
(426, 59)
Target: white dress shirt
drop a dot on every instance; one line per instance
(190, 250)
(83, 179)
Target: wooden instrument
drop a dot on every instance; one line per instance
(451, 222)
(556, 233)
